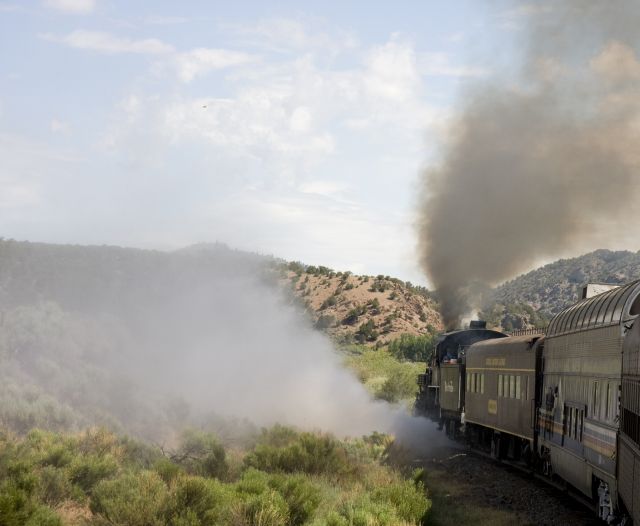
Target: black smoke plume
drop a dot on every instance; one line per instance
(541, 164)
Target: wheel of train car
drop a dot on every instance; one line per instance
(526, 454)
(545, 458)
(605, 506)
(495, 445)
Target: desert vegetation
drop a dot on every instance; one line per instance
(281, 477)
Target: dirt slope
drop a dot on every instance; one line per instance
(366, 309)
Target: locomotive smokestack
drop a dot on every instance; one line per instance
(541, 164)
(477, 324)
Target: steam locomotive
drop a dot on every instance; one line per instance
(565, 402)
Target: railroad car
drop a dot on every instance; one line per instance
(579, 416)
(501, 395)
(442, 387)
(629, 440)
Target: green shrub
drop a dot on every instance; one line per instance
(43, 516)
(399, 385)
(17, 508)
(325, 321)
(266, 509)
(407, 497)
(417, 348)
(58, 456)
(310, 453)
(87, 470)
(54, 486)
(300, 494)
(130, 500)
(367, 332)
(199, 501)
(329, 302)
(202, 454)
(138, 454)
(167, 469)
(353, 314)
(278, 435)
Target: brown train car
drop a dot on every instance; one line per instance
(500, 398)
(629, 440)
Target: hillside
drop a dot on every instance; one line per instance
(364, 309)
(554, 286)
(533, 298)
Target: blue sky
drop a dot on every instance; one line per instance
(294, 129)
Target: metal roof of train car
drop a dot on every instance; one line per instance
(510, 344)
(609, 308)
(449, 341)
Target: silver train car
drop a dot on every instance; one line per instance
(579, 416)
(629, 439)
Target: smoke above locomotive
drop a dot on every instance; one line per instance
(542, 164)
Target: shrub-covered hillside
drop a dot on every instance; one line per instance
(284, 478)
(532, 299)
(372, 310)
(554, 286)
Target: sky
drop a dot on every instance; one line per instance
(294, 129)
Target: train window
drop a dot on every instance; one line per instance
(512, 386)
(635, 307)
(500, 385)
(573, 422)
(608, 401)
(482, 383)
(518, 387)
(505, 385)
(595, 413)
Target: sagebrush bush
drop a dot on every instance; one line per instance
(309, 453)
(399, 385)
(130, 500)
(266, 509)
(202, 454)
(301, 495)
(407, 497)
(54, 486)
(87, 470)
(199, 501)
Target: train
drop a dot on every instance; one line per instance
(564, 401)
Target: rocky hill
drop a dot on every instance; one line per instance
(533, 298)
(373, 310)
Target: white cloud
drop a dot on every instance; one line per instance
(203, 60)
(59, 126)
(392, 71)
(439, 64)
(108, 43)
(323, 187)
(72, 6)
(280, 34)
(18, 194)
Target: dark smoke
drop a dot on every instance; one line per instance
(543, 163)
